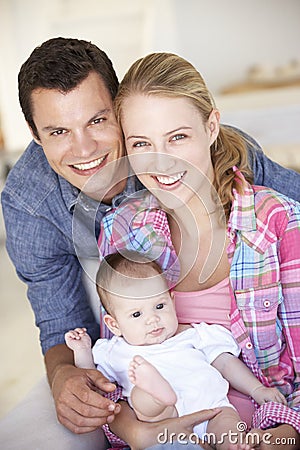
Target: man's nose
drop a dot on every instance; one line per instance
(83, 145)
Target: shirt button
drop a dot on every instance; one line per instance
(232, 234)
(249, 346)
(267, 303)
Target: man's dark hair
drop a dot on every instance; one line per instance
(62, 64)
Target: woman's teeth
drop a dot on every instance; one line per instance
(169, 180)
(89, 165)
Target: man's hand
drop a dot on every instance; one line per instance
(140, 435)
(79, 404)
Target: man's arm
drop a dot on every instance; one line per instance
(269, 173)
(79, 406)
(53, 275)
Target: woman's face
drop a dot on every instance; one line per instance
(169, 146)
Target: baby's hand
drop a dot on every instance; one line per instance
(78, 339)
(263, 394)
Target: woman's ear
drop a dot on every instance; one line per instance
(213, 125)
(112, 324)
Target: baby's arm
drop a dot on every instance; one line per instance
(80, 342)
(242, 379)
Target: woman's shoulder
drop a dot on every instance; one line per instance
(138, 202)
(274, 208)
(267, 198)
(139, 211)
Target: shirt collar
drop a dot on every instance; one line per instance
(245, 218)
(242, 216)
(71, 195)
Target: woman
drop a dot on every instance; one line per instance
(238, 245)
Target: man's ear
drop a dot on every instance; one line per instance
(213, 125)
(34, 137)
(112, 324)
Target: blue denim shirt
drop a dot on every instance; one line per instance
(45, 244)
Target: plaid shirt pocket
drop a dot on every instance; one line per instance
(259, 310)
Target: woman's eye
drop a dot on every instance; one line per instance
(136, 314)
(140, 144)
(177, 137)
(160, 306)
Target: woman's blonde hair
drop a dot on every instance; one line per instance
(167, 74)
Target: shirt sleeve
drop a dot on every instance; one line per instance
(269, 173)
(140, 225)
(289, 308)
(213, 340)
(100, 352)
(45, 260)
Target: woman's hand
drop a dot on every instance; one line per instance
(140, 435)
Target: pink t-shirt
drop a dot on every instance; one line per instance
(212, 305)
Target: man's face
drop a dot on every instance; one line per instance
(81, 137)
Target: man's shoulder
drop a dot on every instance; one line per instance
(31, 179)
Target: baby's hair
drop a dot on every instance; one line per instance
(130, 264)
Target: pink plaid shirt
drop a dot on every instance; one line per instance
(264, 256)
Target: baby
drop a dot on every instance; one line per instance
(165, 369)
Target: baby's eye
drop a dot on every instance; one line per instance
(136, 314)
(177, 137)
(160, 306)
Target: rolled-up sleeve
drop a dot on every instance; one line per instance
(45, 260)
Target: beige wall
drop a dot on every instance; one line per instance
(222, 38)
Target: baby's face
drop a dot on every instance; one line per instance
(146, 320)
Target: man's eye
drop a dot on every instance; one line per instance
(136, 314)
(58, 132)
(99, 120)
(160, 306)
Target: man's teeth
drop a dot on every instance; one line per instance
(89, 165)
(169, 180)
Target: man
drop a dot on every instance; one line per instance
(51, 198)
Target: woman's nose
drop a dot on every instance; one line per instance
(163, 162)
